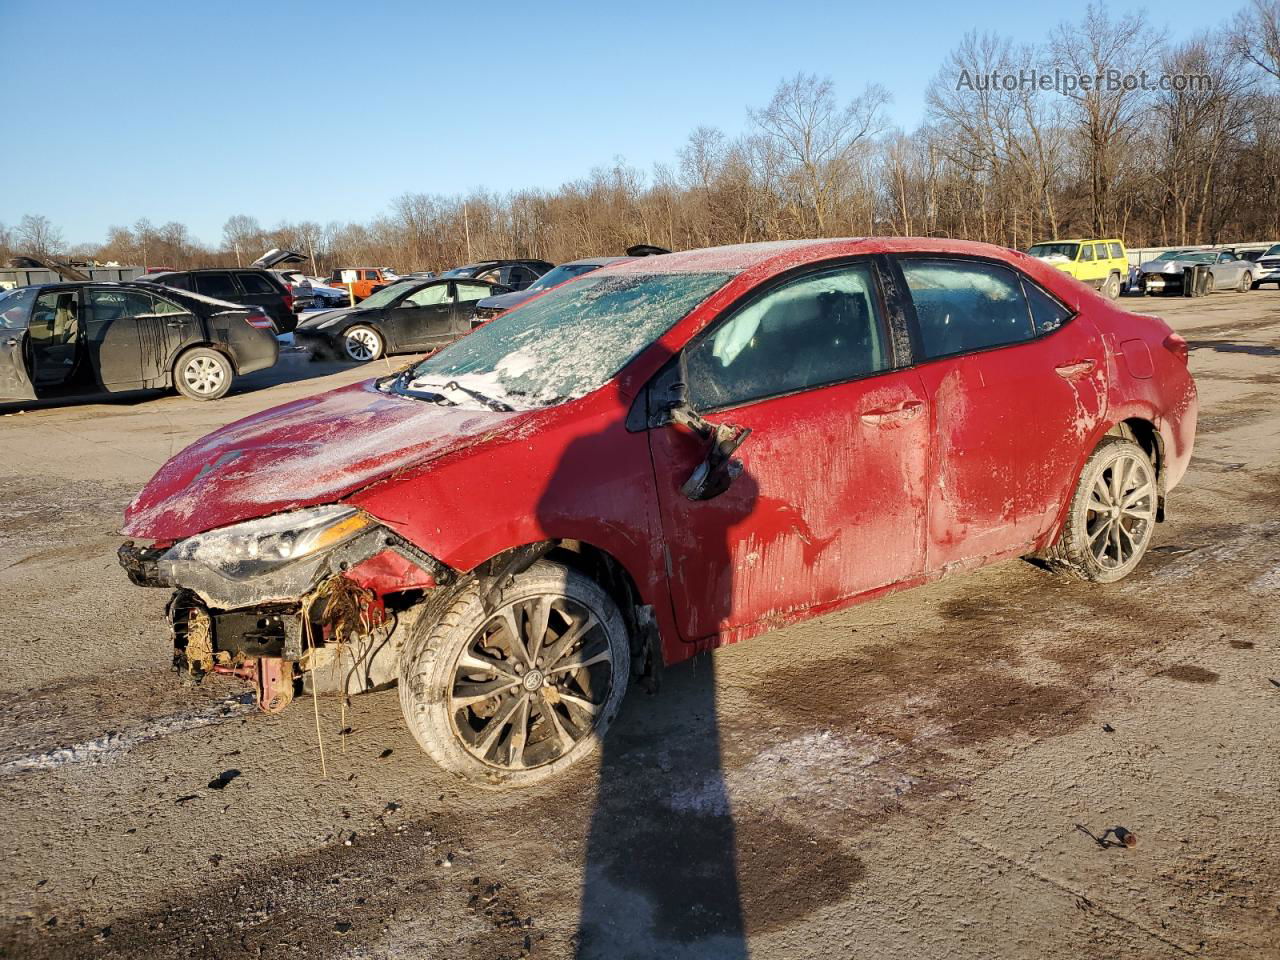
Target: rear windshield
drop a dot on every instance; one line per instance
(1067, 250)
(568, 342)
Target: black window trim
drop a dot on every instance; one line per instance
(913, 322)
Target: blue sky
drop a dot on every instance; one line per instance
(326, 111)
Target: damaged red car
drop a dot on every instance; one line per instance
(659, 458)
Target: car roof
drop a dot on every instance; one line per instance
(739, 258)
(596, 261)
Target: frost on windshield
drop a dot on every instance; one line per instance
(569, 341)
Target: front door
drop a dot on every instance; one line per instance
(15, 376)
(831, 499)
(422, 318)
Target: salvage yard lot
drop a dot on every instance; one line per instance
(903, 779)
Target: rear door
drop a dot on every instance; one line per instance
(261, 292)
(466, 295)
(831, 499)
(115, 343)
(15, 376)
(1013, 397)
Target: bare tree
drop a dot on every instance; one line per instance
(1256, 35)
(36, 235)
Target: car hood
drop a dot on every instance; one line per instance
(505, 301)
(312, 451)
(1167, 266)
(315, 320)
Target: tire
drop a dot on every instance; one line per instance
(1111, 289)
(1246, 283)
(558, 731)
(1100, 544)
(203, 373)
(362, 343)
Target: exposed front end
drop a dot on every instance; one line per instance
(316, 597)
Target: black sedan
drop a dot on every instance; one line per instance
(75, 339)
(405, 317)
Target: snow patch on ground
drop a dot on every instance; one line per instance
(114, 744)
(821, 770)
(1268, 582)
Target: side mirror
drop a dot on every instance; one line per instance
(719, 468)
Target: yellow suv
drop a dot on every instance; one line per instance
(1100, 263)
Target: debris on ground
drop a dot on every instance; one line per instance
(1123, 837)
(221, 780)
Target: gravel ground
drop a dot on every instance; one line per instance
(910, 778)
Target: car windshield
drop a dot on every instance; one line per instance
(562, 345)
(566, 271)
(384, 296)
(1207, 257)
(15, 305)
(1067, 250)
(1273, 252)
(1170, 255)
(459, 272)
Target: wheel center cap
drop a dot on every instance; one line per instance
(533, 680)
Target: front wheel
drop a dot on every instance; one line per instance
(362, 343)
(1112, 514)
(513, 693)
(203, 374)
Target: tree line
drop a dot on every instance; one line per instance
(998, 161)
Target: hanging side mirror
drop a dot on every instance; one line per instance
(719, 468)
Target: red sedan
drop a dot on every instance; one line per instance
(656, 459)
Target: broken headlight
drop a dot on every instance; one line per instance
(257, 547)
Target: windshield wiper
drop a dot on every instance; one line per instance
(495, 405)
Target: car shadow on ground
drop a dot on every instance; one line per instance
(660, 874)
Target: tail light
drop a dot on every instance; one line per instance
(288, 300)
(259, 321)
(1177, 346)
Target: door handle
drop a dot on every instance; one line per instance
(879, 418)
(1073, 371)
(11, 342)
(173, 323)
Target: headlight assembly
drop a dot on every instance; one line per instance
(258, 547)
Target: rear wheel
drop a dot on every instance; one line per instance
(516, 693)
(1112, 287)
(362, 343)
(203, 374)
(1112, 514)
(1246, 282)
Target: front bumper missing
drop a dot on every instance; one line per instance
(254, 629)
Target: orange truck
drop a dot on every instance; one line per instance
(366, 278)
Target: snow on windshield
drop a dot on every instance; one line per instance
(567, 342)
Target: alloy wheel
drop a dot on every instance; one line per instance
(204, 375)
(531, 682)
(361, 344)
(1121, 511)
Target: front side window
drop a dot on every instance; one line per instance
(371, 274)
(15, 308)
(1058, 251)
(428, 296)
(220, 286)
(566, 343)
(814, 330)
(965, 305)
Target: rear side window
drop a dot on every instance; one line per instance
(115, 304)
(1101, 249)
(815, 330)
(220, 286)
(256, 284)
(1117, 252)
(964, 306)
(1086, 252)
(471, 292)
(1047, 314)
(179, 281)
